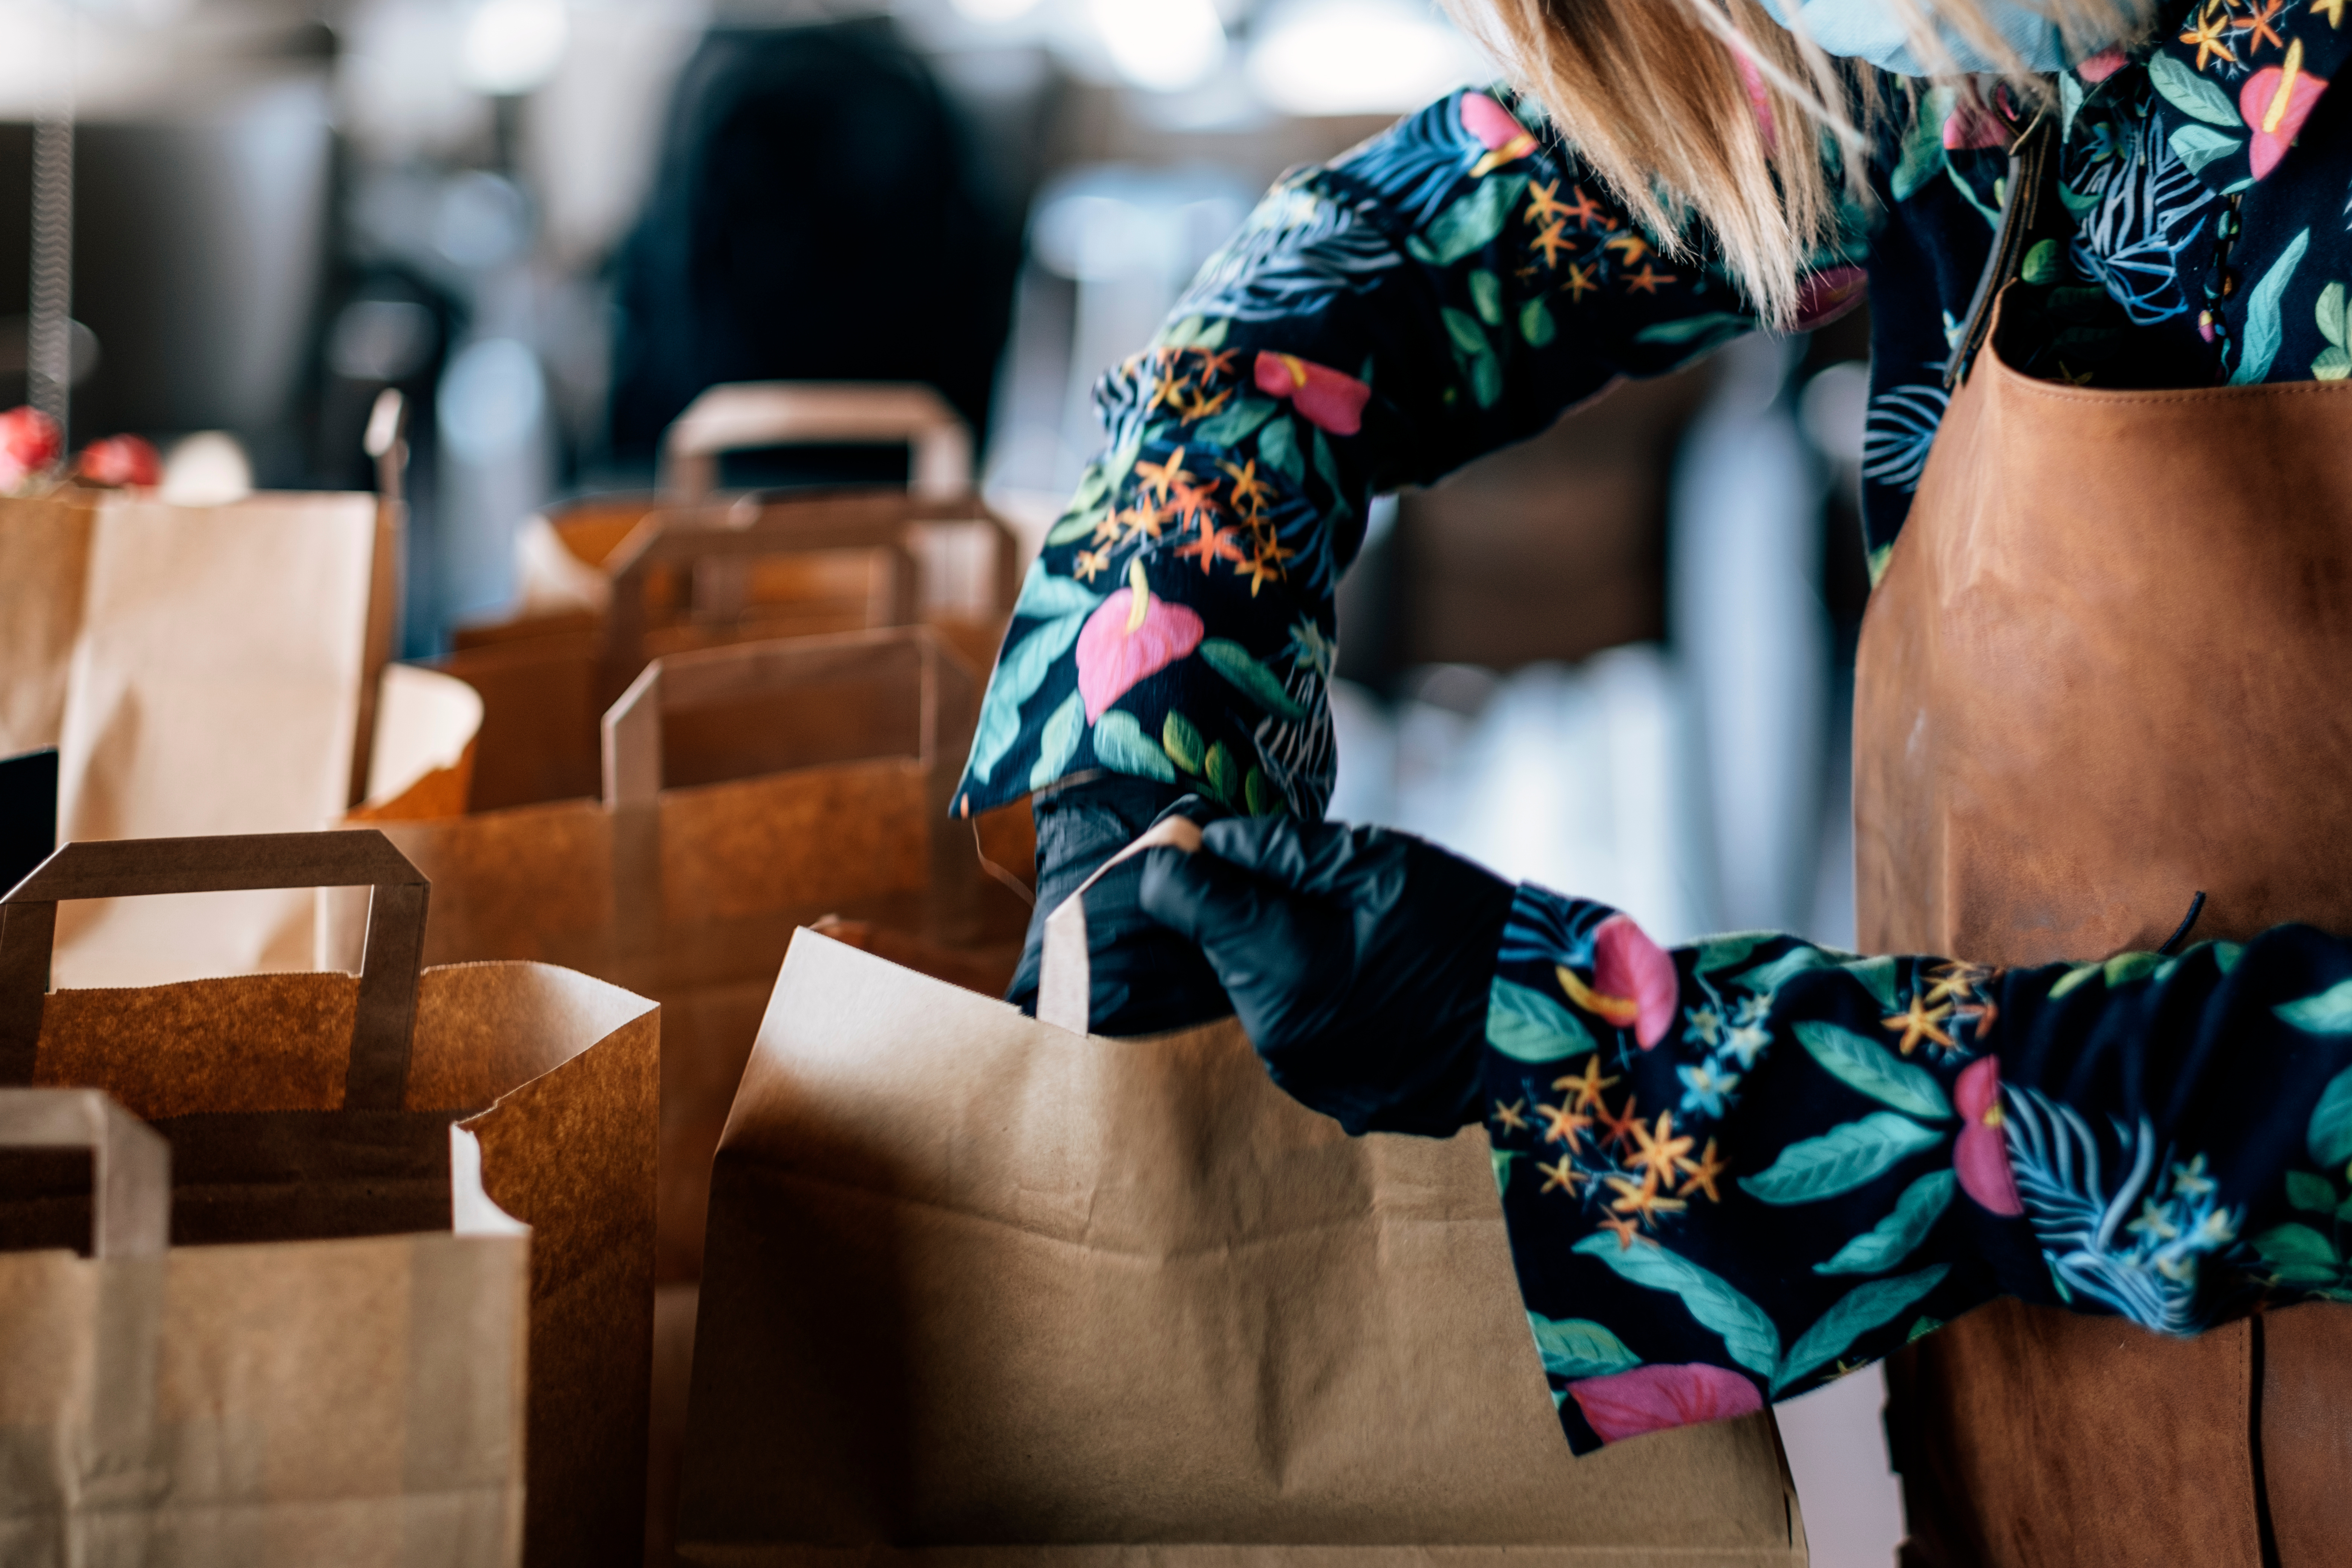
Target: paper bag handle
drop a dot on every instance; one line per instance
(1064, 975)
(131, 1165)
(377, 1079)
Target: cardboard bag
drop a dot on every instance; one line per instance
(44, 558)
(982, 1291)
(347, 1402)
(748, 791)
(307, 1106)
(687, 578)
(222, 679)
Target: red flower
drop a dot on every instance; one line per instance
(1626, 963)
(1331, 400)
(119, 461)
(2274, 102)
(1653, 1398)
(1505, 140)
(1972, 125)
(2101, 66)
(1980, 1155)
(29, 446)
(1133, 634)
(1826, 295)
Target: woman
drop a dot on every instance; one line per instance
(2098, 702)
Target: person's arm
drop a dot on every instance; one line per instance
(1733, 1171)
(1446, 288)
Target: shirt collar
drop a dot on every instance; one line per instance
(2236, 80)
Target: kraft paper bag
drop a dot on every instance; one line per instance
(678, 578)
(313, 1106)
(749, 790)
(356, 1402)
(44, 558)
(222, 676)
(980, 1290)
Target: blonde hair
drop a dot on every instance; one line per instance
(1709, 109)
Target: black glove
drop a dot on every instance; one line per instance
(1358, 958)
(1145, 977)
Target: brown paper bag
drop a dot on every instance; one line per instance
(44, 558)
(318, 1105)
(692, 577)
(347, 1402)
(222, 680)
(981, 1291)
(748, 791)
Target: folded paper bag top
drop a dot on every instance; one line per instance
(982, 1288)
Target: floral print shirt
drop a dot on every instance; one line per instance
(1736, 1171)
(1733, 1171)
(1452, 284)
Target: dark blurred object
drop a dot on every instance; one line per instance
(816, 216)
(28, 813)
(200, 236)
(1553, 549)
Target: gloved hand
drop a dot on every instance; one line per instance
(1358, 959)
(1145, 977)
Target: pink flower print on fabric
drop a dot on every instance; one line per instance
(1980, 1155)
(1505, 140)
(1654, 1398)
(1626, 963)
(1826, 295)
(1133, 634)
(1330, 399)
(2274, 102)
(1972, 126)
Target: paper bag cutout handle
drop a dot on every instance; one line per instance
(377, 1079)
(1064, 973)
(131, 1165)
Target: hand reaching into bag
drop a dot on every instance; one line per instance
(1358, 958)
(1145, 978)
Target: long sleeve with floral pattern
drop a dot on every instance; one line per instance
(1446, 288)
(1736, 1171)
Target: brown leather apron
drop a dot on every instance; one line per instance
(2109, 665)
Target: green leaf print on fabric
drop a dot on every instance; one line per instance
(2329, 1134)
(2190, 94)
(2334, 362)
(1486, 296)
(2311, 1192)
(1747, 1333)
(1232, 428)
(1878, 974)
(1723, 951)
(1233, 662)
(1182, 743)
(1529, 1026)
(1859, 1310)
(1716, 326)
(2198, 145)
(1868, 1068)
(1470, 223)
(1578, 1347)
(1769, 977)
(1896, 1237)
(1018, 674)
(1223, 776)
(2263, 330)
(1463, 330)
(1536, 325)
(1058, 740)
(1044, 597)
(2299, 1255)
(1278, 445)
(1121, 745)
(2328, 1013)
(1839, 1160)
(1923, 145)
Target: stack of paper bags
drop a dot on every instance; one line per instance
(314, 1106)
(274, 1404)
(688, 577)
(203, 670)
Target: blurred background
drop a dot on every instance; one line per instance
(1616, 659)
